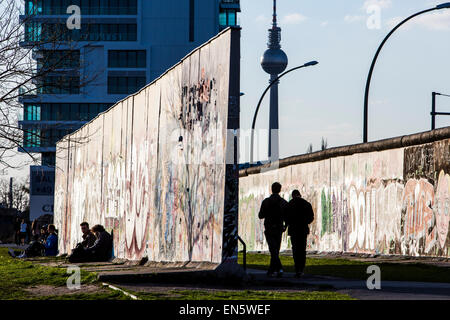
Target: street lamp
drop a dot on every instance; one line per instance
(369, 78)
(308, 64)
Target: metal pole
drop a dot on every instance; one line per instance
(433, 111)
(10, 194)
(369, 77)
(244, 249)
(312, 63)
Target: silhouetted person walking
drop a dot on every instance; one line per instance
(299, 215)
(272, 211)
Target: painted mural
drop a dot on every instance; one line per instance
(152, 169)
(389, 202)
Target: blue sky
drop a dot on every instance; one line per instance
(327, 100)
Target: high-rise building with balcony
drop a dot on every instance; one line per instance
(121, 46)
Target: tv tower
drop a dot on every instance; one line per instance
(274, 61)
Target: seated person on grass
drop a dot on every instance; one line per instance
(101, 250)
(78, 253)
(51, 243)
(35, 249)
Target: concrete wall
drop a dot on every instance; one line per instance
(152, 169)
(387, 197)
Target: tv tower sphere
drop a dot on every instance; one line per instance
(274, 61)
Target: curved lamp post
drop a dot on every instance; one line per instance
(308, 64)
(366, 96)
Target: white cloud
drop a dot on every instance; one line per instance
(368, 6)
(383, 4)
(262, 18)
(324, 24)
(353, 18)
(294, 18)
(438, 21)
(391, 23)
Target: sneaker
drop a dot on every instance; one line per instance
(11, 253)
(270, 274)
(23, 255)
(299, 274)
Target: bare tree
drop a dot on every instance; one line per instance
(324, 144)
(36, 57)
(20, 195)
(310, 148)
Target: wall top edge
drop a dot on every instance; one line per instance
(375, 146)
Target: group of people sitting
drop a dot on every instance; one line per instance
(45, 244)
(97, 245)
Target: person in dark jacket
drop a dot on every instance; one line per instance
(299, 214)
(272, 211)
(88, 236)
(101, 250)
(44, 233)
(78, 253)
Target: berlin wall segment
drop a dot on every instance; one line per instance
(378, 198)
(154, 167)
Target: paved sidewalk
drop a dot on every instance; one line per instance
(390, 290)
(150, 277)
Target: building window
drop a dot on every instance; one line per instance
(223, 19)
(125, 85)
(31, 137)
(32, 112)
(88, 7)
(49, 159)
(231, 18)
(89, 32)
(127, 59)
(63, 111)
(36, 136)
(227, 17)
(59, 59)
(52, 84)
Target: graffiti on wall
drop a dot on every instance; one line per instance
(389, 202)
(153, 170)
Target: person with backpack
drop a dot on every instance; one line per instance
(299, 214)
(272, 211)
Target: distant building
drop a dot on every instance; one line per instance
(123, 45)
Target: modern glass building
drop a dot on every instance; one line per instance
(121, 46)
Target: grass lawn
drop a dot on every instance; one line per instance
(241, 295)
(16, 275)
(351, 269)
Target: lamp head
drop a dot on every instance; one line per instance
(311, 63)
(443, 6)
